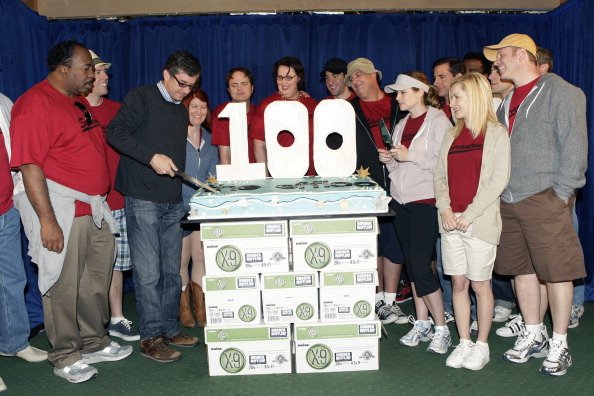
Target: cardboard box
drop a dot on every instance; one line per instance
(248, 350)
(334, 244)
(245, 247)
(347, 295)
(322, 347)
(232, 300)
(290, 297)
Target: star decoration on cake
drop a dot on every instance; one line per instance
(363, 172)
(212, 179)
(320, 204)
(344, 205)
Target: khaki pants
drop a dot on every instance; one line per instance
(76, 307)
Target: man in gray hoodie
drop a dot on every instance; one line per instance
(546, 118)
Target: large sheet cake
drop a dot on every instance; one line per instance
(290, 197)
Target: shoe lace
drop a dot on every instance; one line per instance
(384, 310)
(126, 323)
(555, 349)
(396, 310)
(524, 339)
(440, 335)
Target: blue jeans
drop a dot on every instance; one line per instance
(14, 322)
(503, 292)
(155, 239)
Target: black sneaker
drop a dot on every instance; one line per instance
(384, 313)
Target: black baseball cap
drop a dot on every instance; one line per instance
(334, 66)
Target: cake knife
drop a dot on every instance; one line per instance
(194, 181)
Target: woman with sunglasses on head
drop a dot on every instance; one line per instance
(471, 173)
(201, 160)
(417, 139)
(289, 75)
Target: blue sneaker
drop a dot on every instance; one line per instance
(123, 330)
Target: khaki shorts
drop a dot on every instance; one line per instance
(538, 238)
(463, 254)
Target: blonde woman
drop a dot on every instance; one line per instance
(470, 175)
(417, 139)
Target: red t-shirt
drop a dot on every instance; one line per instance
(220, 129)
(375, 110)
(447, 110)
(104, 113)
(352, 96)
(411, 128)
(464, 169)
(6, 185)
(285, 139)
(50, 131)
(518, 96)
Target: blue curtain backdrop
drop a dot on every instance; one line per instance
(394, 42)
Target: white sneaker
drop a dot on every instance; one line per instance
(440, 341)
(418, 333)
(478, 357)
(525, 347)
(458, 355)
(110, 353)
(30, 354)
(2, 385)
(558, 358)
(501, 314)
(76, 372)
(512, 328)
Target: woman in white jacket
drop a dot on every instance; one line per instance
(417, 139)
(470, 175)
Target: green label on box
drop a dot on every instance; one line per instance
(286, 281)
(319, 356)
(258, 333)
(359, 278)
(232, 360)
(305, 311)
(335, 226)
(228, 258)
(228, 283)
(243, 230)
(338, 330)
(247, 313)
(318, 255)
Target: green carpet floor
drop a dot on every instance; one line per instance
(403, 371)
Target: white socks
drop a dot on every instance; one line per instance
(390, 298)
(379, 296)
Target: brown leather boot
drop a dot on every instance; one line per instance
(199, 306)
(185, 311)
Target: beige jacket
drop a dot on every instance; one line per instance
(483, 213)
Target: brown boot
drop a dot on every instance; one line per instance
(199, 306)
(185, 312)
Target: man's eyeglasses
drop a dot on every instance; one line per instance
(286, 78)
(88, 116)
(184, 85)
